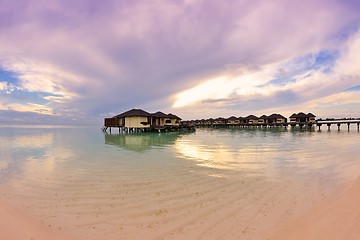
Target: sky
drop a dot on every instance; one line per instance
(77, 62)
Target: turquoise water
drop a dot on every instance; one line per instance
(86, 182)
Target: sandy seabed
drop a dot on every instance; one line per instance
(227, 213)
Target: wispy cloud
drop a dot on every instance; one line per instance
(80, 60)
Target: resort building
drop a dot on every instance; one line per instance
(302, 118)
(242, 120)
(251, 119)
(232, 120)
(220, 121)
(134, 118)
(276, 118)
(311, 117)
(160, 119)
(174, 120)
(262, 119)
(138, 119)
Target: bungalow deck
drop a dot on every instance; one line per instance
(159, 129)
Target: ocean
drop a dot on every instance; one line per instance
(210, 184)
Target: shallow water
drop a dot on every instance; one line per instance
(214, 183)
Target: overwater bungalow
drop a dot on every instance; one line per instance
(160, 119)
(232, 120)
(134, 118)
(251, 119)
(276, 119)
(263, 119)
(210, 121)
(140, 120)
(220, 121)
(242, 120)
(174, 120)
(311, 117)
(302, 118)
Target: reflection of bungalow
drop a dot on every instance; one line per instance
(232, 120)
(302, 117)
(141, 142)
(134, 118)
(251, 119)
(276, 118)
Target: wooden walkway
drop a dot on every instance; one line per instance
(301, 125)
(338, 123)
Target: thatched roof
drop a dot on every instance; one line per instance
(232, 118)
(263, 117)
(294, 115)
(160, 115)
(301, 115)
(173, 116)
(275, 116)
(252, 117)
(134, 113)
(310, 115)
(220, 119)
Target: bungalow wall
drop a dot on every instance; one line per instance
(158, 121)
(137, 122)
(253, 121)
(262, 120)
(311, 119)
(168, 121)
(112, 122)
(174, 122)
(233, 122)
(281, 120)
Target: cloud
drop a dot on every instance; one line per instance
(81, 60)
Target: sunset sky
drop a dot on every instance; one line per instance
(76, 62)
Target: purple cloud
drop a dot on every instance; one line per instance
(97, 58)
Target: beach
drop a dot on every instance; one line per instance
(335, 218)
(17, 225)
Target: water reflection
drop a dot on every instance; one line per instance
(141, 142)
(27, 150)
(271, 152)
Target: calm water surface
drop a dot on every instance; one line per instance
(88, 183)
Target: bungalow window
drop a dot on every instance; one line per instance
(167, 121)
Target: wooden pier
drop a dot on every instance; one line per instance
(338, 123)
(300, 125)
